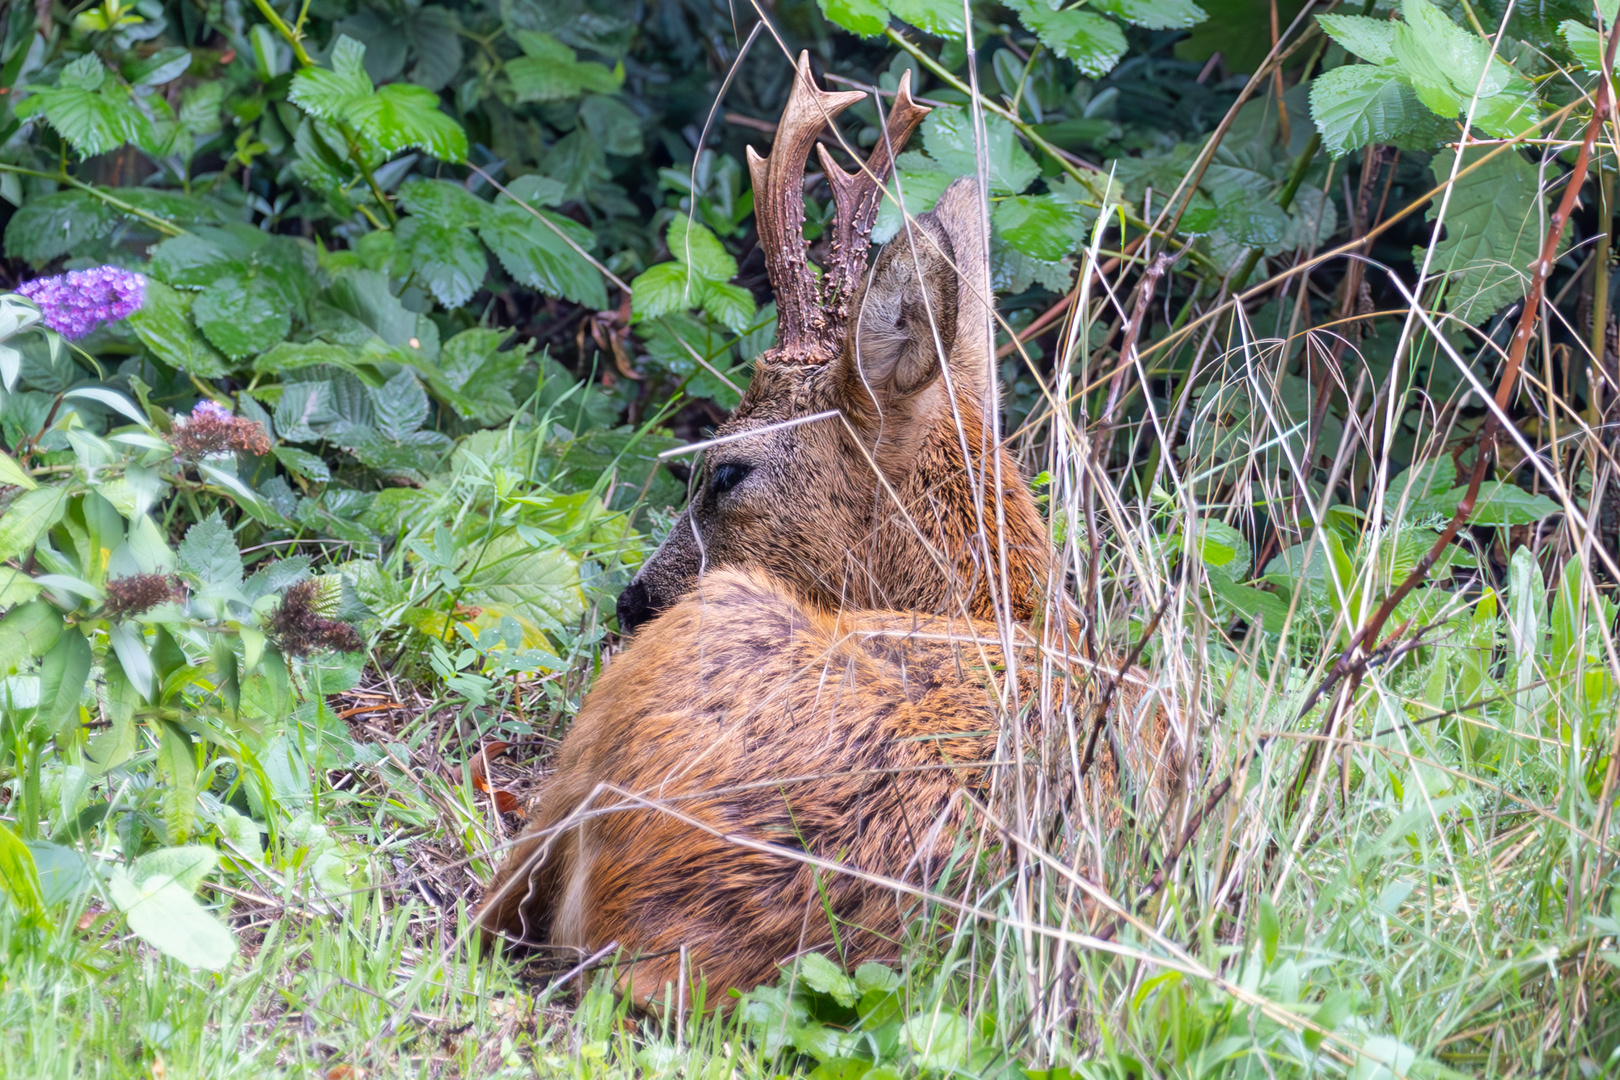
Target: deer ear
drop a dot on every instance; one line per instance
(910, 315)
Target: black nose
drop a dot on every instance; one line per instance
(635, 607)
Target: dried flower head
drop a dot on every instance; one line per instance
(78, 301)
(138, 594)
(211, 429)
(299, 626)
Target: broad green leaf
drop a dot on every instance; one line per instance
(1494, 225)
(867, 18)
(302, 463)
(664, 288)
(329, 93)
(446, 258)
(161, 67)
(241, 316)
(1155, 14)
(209, 552)
(536, 256)
(948, 138)
(1092, 42)
(538, 588)
(732, 306)
(49, 227)
(613, 124)
(177, 762)
(875, 976)
(700, 249)
(446, 203)
(1038, 225)
(551, 71)
(88, 110)
(1585, 43)
(165, 915)
(12, 474)
(28, 517)
(28, 630)
(399, 116)
(1450, 66)
(401, 406)
(826, 977)
(1360, 104)
(63, 674)
(1499, 503)
(129, 645)
(1371, 39)
(187, 866)
(164, 325)
(939, 1040)
(941, 18)
(1256, 605)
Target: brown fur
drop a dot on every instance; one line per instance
(824, 677)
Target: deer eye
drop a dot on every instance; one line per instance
(727, 476)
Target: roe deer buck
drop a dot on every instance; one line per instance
(815, 671)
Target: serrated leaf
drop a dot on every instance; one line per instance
(400, 405)
(941, 18)
(446, 258)
(94, 121)
(50, 227)
(327, 93)
(867, 18)
(700, 249)
(732, 306)
(538, 257)
(551, 71)
(1360, 104)
(446, 203)
(948, 138)
(824, 976)
(164, 914)
(1154, 14)
(1090, 41)
(1493, 233)
(164, 325)
(210, 553)
(303, 463)
(1371, 39)
(1038, 225)
(240, 316)
(613, 124)
(401, 115)
(663, 288)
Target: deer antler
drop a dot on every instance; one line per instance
(802, 329)
(858, 196)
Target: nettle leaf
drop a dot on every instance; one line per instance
(536, 256)
(1090, 41)
(400, 406)
(394, 117)
(948, 138)
(210, 553)
(551, 71)
(1038, 225)
(241, 316)
(446, 258)
(867, 18)
(1371, 39)
(1494, 223)
(1154, 14)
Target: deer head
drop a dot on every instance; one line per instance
(891, 501)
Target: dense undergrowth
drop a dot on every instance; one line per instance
(310, 534)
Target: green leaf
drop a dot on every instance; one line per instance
(1361, 104)
(209, 552)
(1038, 225)
(1371, 39)
(1499, 503)
(328, 93)
(538, 257)
(1449, 66)
(867, 18)
(19, 877)
(551, 71)
(1493, 233)
(1155, 14)
(948, 138)
(1270, 929)
(446, 258)
(613, 124)
(187, 866)
(700, 249)
(28, 518)
(13, 474)
(400, 115)
(401, 405)
(1093, 43)
(941, 18)
(161, 67)
(732, 306)
(163, 913)
(446, 203)
(93, 114)
(302, 463)
(164, 325)
(50, 227)
(824, 976)
(872, 976)
(664, 288)
(939, 1040)
(63, 675)
(241, 316)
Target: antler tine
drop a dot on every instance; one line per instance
(801, 326)
(858, 196)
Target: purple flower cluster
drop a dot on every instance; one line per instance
(78, 301)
